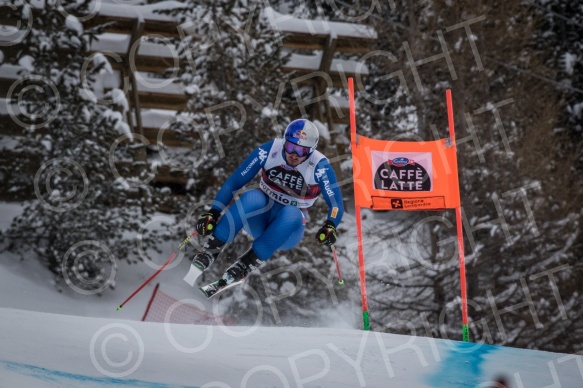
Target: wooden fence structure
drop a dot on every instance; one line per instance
(139, 66)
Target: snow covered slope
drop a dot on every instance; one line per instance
(51, 350)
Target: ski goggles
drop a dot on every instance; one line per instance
(300, 151)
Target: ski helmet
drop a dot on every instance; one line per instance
(303, 133)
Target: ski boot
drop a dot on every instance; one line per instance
(238, 270)
(202, 260)
(211, 250)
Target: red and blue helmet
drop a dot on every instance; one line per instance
(302, 133)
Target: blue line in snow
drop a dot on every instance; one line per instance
(62, 378)
(462, 366)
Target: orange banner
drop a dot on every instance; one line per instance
(398, 175)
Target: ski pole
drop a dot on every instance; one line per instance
(340, 281)
(182, 244)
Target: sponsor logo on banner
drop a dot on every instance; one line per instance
(397, 203)
(411, 203)
(401, 162)
(405, 171)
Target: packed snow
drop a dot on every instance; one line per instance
(67, 339)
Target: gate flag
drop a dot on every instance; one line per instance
(397, 175)
(405, 175)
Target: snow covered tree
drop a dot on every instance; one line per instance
(231, 68)
(85, 214)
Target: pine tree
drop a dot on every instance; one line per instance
(84, 215)
(232, 71)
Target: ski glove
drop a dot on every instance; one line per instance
(327, 233)
(206, 222)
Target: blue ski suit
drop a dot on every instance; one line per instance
(275, 213)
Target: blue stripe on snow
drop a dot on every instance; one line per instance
(64, 378)
(462, 365)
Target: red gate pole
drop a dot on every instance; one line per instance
(460, 232)
(182, 244)
(150, 302)
(365, 316)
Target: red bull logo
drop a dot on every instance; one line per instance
(301, 135)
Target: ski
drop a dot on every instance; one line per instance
(217, 287)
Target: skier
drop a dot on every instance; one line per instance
(293, 174)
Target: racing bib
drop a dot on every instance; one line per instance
(288, 185)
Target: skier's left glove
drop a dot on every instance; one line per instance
(327, 233)
(206, 222)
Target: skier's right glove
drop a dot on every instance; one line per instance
(206, 222)
(327, 233)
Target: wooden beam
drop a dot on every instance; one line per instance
(164, 173)
(8, 76)
(312, 34)
(338, 81)
(147, 64)
(170, 139)
(163, 101)
(308, 42)
(121, 18)
(9, 127)
(325, 65)
(328, 52)
(339, 70)
(148, 55)
(5, 85)
(336, 119)
(121, 25)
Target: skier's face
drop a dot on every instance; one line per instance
(293, 159)
(295, 154)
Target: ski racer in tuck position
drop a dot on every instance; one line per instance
(293, 175)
